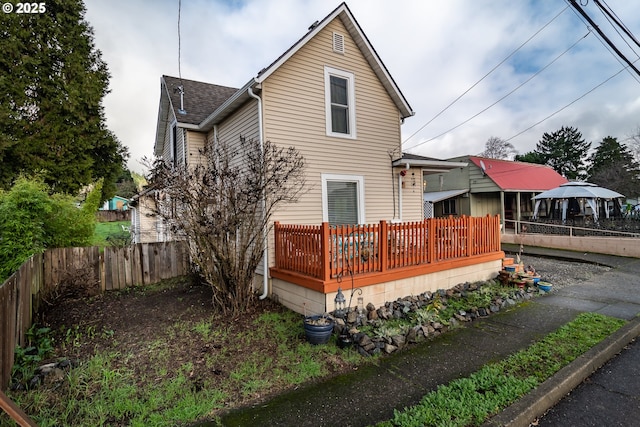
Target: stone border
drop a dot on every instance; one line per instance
(550, 392)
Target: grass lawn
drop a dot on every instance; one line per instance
(105, 229)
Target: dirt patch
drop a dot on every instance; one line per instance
(174, 319)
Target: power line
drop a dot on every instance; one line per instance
(617, 20)
(566, 106)
(486, 75)
(505, 96)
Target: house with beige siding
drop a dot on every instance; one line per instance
(330, 96)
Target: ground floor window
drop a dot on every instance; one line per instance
(343, 199)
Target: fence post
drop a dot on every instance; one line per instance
(383, 245)
(324, 249)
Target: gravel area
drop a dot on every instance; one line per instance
(563, 273)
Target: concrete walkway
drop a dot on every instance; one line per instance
(371, 393)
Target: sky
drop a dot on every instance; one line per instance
(435, 51)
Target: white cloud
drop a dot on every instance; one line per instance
(434, 51)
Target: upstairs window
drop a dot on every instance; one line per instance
(340, 103)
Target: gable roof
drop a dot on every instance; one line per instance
(207, 113)
(200, 98)
(519, 176)
(355, 31)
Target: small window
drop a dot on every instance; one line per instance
(340, 103)
(449, 207)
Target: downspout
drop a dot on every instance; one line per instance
(265, 255)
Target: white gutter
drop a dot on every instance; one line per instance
(265, 256)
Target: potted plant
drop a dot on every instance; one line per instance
(318, 329)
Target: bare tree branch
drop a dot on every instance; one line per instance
(223, 207)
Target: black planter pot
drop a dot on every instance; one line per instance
(317, 334)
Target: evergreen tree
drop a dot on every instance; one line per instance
(565, 151)
(612, 166)
(530, 157)
(52, 81)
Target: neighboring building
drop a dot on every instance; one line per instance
(116, 203)
(331, 97)
(489, 186)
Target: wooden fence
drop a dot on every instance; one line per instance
(324, 252)
(111, 216)
(42, 274)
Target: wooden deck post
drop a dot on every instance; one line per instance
(277, 241)
(324, 252)
(431, 239)
(383, 245)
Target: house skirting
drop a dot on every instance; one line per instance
(378, 289)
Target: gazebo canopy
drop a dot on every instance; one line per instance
(584, 190)
(577, 190)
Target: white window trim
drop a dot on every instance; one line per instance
(359, 179)
(329, 71)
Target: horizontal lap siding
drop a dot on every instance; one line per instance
(294, 101)
(195, 145)
(148, 219)
(243, 122)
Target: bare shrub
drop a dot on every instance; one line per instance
(223, 207)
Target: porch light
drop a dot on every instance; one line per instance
(340, 302)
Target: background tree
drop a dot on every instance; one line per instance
(125, 185)
(634, 144)
(612, 166)
(52, 81)
(565, 151)
(531, 157)
(218, 207)
(498, 148)
(31, 221)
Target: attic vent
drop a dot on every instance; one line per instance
(338, 43)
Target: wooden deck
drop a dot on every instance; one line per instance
(318, 257)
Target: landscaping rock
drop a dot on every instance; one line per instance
(398, 341)
(389, 348)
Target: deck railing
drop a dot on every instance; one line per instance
(324, 252)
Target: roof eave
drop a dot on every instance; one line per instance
(163, 113)
(435, 165)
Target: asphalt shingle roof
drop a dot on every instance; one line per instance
(200, 99)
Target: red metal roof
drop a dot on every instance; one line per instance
(521, 176)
